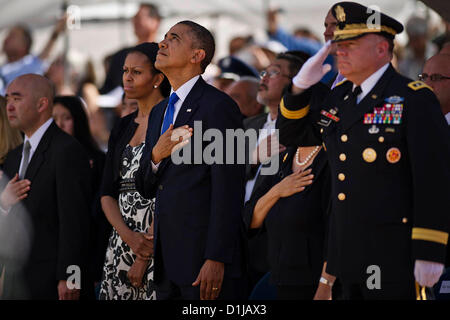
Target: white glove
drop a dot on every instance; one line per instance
(427, 273)
(313, 69)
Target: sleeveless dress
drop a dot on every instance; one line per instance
(137, 213)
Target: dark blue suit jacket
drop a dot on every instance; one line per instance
(198, 206)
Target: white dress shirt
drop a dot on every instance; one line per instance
(34, 143)
(182, 94)
(447, 117)
(267, 129)
(35, 139)
(370, 82)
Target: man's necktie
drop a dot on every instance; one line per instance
(354, 95)
(168, 118)
(26, 159)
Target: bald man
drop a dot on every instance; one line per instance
(436, 73)
(49, 177)
(244, 93)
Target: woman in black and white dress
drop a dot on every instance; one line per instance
(128, 268)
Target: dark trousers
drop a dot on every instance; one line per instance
(296, 292)
(388, 291)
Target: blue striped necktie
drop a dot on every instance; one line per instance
(168, 118)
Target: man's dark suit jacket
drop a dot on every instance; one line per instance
(58, 209)
(198, 206)
(257, 243)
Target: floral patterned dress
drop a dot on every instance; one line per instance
(137, 213)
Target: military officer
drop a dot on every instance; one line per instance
(390, 166)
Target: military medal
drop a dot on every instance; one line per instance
(369, 155)
(389, 113)
(393, 155)
(389, 129)
(374, 129)
(329, 115)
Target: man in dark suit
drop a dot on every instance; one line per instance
(198, 226)
(383, 134)
(50, 179)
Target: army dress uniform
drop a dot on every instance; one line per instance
(390, 171)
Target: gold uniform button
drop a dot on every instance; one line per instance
(160, 187)
(381, 139)
(344, 138)
(341, 176)
(321, 130)
(342, 157)
(405, 220)
(341, 196)
(369, 155)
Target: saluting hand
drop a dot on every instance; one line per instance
(170, 141)
(294, 183)
(313, 69)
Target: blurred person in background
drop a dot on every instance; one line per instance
(70, 116)
(238, 43)
(17, 48)
(10, 137)
(127, 106)
(436, 73)
(244, 92)
(418, 49)
(305, 44)
(304, 32)
(128, 265)
(81, 77)
(145, 24)
(290, 41)
(231, 70)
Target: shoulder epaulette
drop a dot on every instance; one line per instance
(417, 85)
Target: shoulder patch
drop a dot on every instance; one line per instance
(417, 85)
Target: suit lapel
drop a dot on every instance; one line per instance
(39, 155)
(372, 99)
(190, 103)
(155, 122)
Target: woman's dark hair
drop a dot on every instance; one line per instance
(81, 130)
(150, 50)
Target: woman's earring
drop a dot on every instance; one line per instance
(155, 86)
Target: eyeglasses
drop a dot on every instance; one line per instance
(433, 77)
(272, 73)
